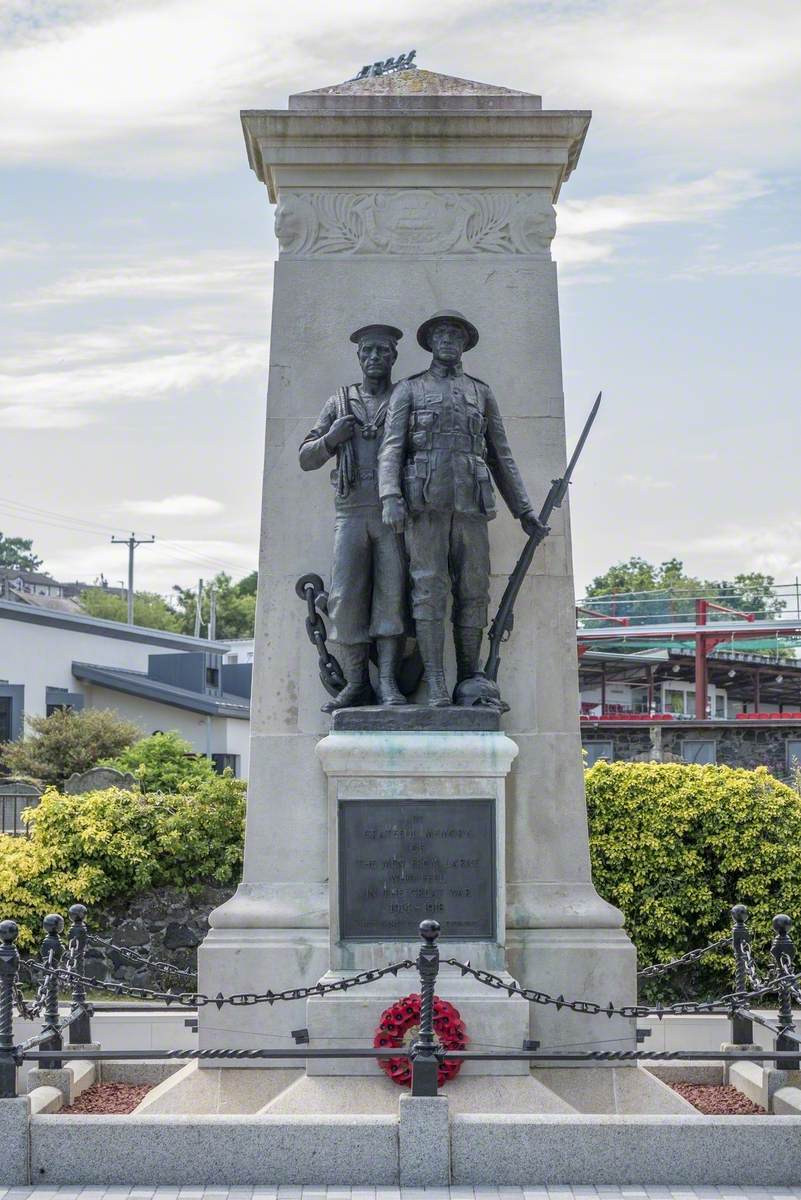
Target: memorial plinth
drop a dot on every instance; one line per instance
(418, 827)
(397, 197)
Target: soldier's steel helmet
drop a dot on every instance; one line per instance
(447, 314)
(387, 331)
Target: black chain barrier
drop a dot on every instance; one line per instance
(135, 957)
(690, 957)
(782, 981)
(721, 1005)
(240, 999)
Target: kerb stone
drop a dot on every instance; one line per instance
(424, 1149)
(15, 1154)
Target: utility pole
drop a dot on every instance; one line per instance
(212, 612)
(132, 542)
(198, 607)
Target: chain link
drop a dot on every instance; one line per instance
(690, 957)
(30, 1010)
(310, 588)
(136, 957)
(238, 1000)
(725, 1004)
(751, 972)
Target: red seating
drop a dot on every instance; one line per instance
(782, 716)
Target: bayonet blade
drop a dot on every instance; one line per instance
(585, 433)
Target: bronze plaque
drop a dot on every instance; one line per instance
(401, 861)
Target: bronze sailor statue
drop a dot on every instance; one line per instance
(367, 598)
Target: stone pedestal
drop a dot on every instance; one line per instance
(418, 829)
(399, 196)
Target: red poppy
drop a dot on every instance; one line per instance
(401, 1017)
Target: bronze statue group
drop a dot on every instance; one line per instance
(413, 480)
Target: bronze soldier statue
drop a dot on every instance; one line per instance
(367, 599)
(444, 439)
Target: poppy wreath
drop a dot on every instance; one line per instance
(400, 1025)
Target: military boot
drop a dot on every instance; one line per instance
(388, 650)
(467, 641)
(357, 688)
(431, 640)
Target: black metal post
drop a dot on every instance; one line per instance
(425, 1064)
(783, 951)
(9, 965)
(80, 1029)
(51, 953)
(742, 1028)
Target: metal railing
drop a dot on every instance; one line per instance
(425, 1054)
(677, 604)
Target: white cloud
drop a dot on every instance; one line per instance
(589, 231)
(774, 548)
(175, 506)
(783, 260)
(17, 250)
(645, 482)
(203, 275)
(61, 386)
(154, 87)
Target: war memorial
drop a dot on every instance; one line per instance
(416, 764)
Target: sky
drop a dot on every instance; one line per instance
(136, 250)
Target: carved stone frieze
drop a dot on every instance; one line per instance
(415, 221)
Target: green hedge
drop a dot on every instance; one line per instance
(675, 846)
(108, 845)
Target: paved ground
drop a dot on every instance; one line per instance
(604, 1192)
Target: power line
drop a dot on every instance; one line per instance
(72, 522)
(58, 520)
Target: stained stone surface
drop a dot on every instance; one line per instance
(437, 198)
(410, 717)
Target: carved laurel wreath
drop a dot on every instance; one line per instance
(427, 221)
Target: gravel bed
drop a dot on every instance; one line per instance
(718, 1100)
(106, 1098)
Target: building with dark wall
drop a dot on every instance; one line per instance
(641, 705)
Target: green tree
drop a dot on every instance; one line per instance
(150, 610)
(67, 741)
(17, 552)
(236, 606)
(664, 592)
(163, 762)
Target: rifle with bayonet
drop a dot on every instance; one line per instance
(483, 688)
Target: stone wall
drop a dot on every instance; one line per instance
(742, 744)
(166, 924)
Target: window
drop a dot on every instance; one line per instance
(674, 701)
(700, 751)
(15, 797)
(232, 659)
(57, 698)
(212, 677)
(221, 761)
(793, 753)
(596, 750)
(5, 718)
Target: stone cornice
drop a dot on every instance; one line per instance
(417, 144)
